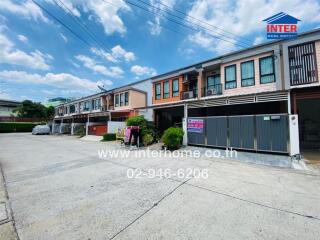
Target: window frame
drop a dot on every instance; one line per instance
(225, 76)
(269, 74)
(117, 100)
(175, 93)
(242, 79)
(157, 95)
(121, 99)
(164, 93)
(126, 98)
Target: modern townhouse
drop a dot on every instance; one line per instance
(103, 112)
(245, 99)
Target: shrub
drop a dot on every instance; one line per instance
(146, 127)
(147, 139)
(109, 137)
(80, 131)
(8, 127)
(172, 138)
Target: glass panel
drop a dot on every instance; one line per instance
(166, 89)
(126, 98)
(175, 88)
(230, 73)
(213, 80)
(158, 91)
(121, 99)
(117, 100)
(247, 74)
(266, 66)
(267, 79)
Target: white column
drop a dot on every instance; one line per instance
(289, 103)
(53, 125)
(87, 125)
(184, 125)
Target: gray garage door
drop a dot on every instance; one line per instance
(252, 132)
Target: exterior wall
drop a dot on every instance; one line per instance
(258, 87)
(170, 98)
(7, 111)
(136, 100)
(145, 86)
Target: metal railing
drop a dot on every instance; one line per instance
(212, 90)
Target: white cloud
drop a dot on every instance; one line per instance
(155, 25)
(245, 17)
(27, 9)
(258, 40)
(92, 65)
(117, 54)
(211, 44)
(10, 55)
(65, 39)
(5, 95)
(22, 38)
(143, 71)
(64, 81)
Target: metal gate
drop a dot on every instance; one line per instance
(250, 132)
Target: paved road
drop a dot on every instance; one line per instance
(60, 189)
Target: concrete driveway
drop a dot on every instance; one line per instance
(60, 189)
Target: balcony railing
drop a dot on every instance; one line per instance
(189, 94)
(212, 90)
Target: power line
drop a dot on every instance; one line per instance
(204, 22)
(184, 25)
(59, 21)
(141, 16)
(195, 24)
(81, 24)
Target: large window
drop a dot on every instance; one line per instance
(158, 91)
(72, 108)
(267, 70)
(126, 98)
(121, 99)
(247, 73)
(117, 100)
(230, 77)
(175, 88)
(166, 89)
(213, 80)
(96, 104)
(87, 106)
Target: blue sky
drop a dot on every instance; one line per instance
(40, 59)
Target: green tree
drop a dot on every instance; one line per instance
(31, 109)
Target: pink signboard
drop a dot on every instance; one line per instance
(195, 125)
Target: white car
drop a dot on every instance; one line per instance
(41, 129)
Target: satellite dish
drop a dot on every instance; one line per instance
(102, 89)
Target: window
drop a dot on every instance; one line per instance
(121, 99)
(230, 77)
(166, 90)
(213, 80)
(126, 98)
(72, 108)
(175, 88)
(117, 100)
(96, 104)
(86, 106)
(158, 91)
(266, 70)
(247, 73)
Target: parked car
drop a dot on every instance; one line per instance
(41, 129)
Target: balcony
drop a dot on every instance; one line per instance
(212, 90)
(189, 94)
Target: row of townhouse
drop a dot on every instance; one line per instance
(242, 99)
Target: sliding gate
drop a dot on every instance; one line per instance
(251, 132)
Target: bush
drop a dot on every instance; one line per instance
(146, 127)
(147, 139)
(80, 131)
(172, 138)
(109, 137)
(9, 127)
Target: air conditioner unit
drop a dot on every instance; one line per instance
(185, 78)
(187, 95)
(211, 92)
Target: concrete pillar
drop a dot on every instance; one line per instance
(52, 127)
(184, 125)
(87, 126)
(200, 82)
(289, 103)
(60, 130)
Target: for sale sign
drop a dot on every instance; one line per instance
(195, 125)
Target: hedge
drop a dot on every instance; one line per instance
(9, 127)
(109, 137)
